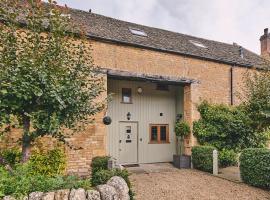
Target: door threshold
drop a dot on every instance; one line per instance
(130, 165)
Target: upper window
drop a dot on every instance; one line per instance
(198, 44)
(137, 32)
(126, 95)
(163, 87)
(159, 133)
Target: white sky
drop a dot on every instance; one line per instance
(240, 21)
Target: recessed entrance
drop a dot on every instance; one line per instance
(128, 143)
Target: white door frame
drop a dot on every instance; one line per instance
(134, 122)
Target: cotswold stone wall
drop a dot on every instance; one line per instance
(213, 85)
(116, 188)
(213, 77)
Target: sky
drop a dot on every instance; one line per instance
(240, 21)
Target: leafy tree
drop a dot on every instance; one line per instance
(256, 98)
(227, 127)
(48, 81)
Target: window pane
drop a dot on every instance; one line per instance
(154, 133)
(128, 129)
(163, 133)
(163, 87)
(126, 95)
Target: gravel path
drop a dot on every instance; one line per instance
(190, 185)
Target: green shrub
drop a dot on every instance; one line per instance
(227, 127)
(227, 158)
(255, 167)
(182, 129)
(103, 175)
(99, 163)
(11, 156)
(20, 182)
(202, 158)
(51, 163)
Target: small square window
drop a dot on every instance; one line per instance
(163, 87)
(126, 95)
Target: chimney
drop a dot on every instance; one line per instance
(265, 44)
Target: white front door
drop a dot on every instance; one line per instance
(128, 143)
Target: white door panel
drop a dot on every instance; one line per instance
(128, 143)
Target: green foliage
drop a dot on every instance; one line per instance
(99, 163)
(51, 163)
(11, 156)
(227, 158)
(227, 127)
(182, 129)
(101, 174)
(20, 182)
(202, 158)
(46, 80)
(255, 167)
(256, 98)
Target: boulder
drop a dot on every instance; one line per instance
(9, 198)
(61, 194)
(93, 195)
(108, 192)
(78, 194)
(48, 196)
(120, 186)
(35, 196)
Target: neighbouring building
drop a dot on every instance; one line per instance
(155, 76)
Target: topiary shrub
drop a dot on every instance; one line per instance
(227, 158)
(99, 163)
(255, 167)
(51, 163)
(181, 129)
(202, 158)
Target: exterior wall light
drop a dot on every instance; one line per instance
(139, 90)
(128, 116)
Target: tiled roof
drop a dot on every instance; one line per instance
(106, 28)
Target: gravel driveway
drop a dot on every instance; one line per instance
(189, 185)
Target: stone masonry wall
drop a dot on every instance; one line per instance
(214, 86)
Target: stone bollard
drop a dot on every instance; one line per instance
(215, 162)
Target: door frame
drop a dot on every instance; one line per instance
(134, 122)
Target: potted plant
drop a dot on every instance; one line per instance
(180, 160)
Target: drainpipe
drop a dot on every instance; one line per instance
(232, 89)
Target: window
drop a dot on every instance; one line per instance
(163, 87)
(159, 133)
(126, 95)
(138, 32)
(198, 44)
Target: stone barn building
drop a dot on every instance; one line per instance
(155, 76)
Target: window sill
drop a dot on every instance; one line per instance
(126, 102)
(158, 142)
